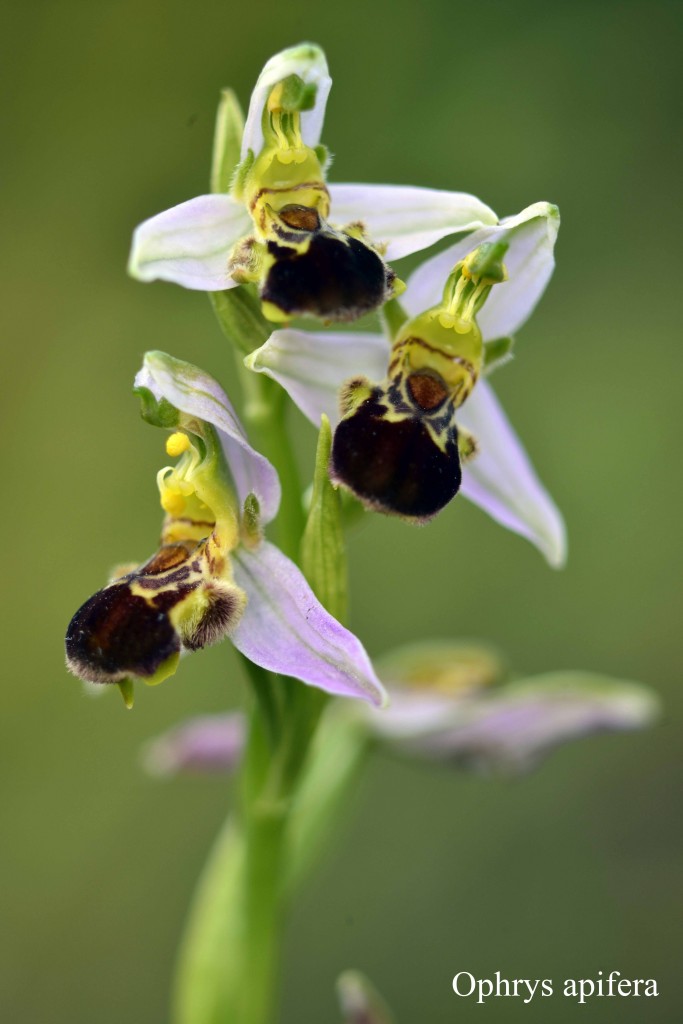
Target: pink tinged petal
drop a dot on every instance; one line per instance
(198, 395)
(210, 744)
(311, 366)
(510, 730)
(502, 481)
(308, 62)
(285, 629)
(529, 260)
(190, 244)
(406, 218)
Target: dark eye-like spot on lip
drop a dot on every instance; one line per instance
(301, 218)
(427, 389)
(337, 278)
(394, 466)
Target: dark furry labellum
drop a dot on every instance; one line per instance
(337, 278)
(143, 619)
(392, 462)
(117, 633)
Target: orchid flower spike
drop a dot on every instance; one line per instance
(312, 248)
(214, 574)
(416, 420)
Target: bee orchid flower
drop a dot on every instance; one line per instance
(312, 248)
(397, 446)
(455, 703)
(214, 575)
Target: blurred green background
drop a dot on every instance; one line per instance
(107, 117)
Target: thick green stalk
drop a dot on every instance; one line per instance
(272, 777)
(229, 966)
(265, 808)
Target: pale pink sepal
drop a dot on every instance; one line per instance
(285, 629)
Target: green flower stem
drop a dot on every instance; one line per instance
(229, 960)
(265, 807)
(286, 713)
(267, 698)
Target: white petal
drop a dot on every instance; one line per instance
(501, 479)
(312, 366)
(414, 713)
(406, 218)
(530, 261)
(198, 395)
(285, 629)
(308, 62)
(190, 244)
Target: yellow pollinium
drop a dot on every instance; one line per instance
(175, 483)
(177, 443)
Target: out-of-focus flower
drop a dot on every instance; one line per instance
(449, 703)
(313, 249)
(317, 367)
(212, 743)
(214, 574)
(455, 703)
